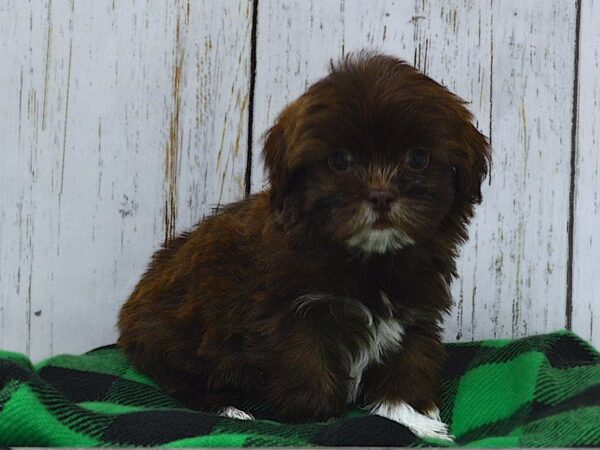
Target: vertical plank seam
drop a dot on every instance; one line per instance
(494, 317)
(253, 33)
(491, 93)
(47, 71)
(172, 147)
(65, 125)
(574, 129)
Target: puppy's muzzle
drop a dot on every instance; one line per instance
(381, 200)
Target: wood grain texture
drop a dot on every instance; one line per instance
(124, 123)
(215, 60)
(514, 268)
(586, 231)
(120, 127)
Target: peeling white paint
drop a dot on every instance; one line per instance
(121, 122)
(86, 115)
(586, 230)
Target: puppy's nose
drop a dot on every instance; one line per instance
(381, 200)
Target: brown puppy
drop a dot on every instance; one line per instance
(327, 289)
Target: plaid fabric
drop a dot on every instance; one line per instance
(537, 391)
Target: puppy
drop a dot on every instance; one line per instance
(328, 289)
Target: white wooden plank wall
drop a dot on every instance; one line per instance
(515, 266)
(586, 195)
(123, 123)
(120, 122)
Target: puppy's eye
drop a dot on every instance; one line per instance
(417, 159)
(340, 161)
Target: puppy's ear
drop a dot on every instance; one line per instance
(473, 165)
(274, 158)
(284, 178)
(282, 159)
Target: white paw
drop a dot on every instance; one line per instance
(235, 413)
(434, 413)
(424, 426)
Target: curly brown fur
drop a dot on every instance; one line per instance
(329, 287)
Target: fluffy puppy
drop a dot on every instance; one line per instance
(327, 289)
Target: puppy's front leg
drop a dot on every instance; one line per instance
(307, 381)
(307, 386)
(403, 387)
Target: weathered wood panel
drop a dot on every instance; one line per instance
(213, 148)
(586, 230)
(122, 122)
(514, 269)
(507, 59)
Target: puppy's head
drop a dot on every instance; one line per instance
(375, 157)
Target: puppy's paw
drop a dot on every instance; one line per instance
(434, 413)
(427, 425)
(234, 413)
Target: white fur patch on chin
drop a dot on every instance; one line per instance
(379, 241)
(234, 413)
(424, 426)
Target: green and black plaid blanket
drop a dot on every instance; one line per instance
(537, 391)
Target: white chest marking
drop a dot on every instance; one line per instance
(386, 335)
